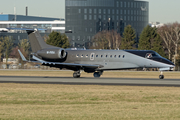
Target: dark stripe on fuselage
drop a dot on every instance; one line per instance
(158, 58)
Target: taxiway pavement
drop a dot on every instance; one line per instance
(91, 81)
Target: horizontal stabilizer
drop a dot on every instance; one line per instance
(22, 56)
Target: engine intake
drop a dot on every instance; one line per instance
(52, 53)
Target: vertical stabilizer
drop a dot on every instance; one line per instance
(37, 42)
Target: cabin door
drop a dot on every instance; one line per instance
(92, 56)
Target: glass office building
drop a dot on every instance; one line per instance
(85, 18)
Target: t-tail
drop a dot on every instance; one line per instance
(37, 42)
(40, 48)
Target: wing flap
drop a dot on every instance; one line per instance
(66, 64)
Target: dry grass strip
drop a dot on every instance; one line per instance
(80, 102)
(112, 74)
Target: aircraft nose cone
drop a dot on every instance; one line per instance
(168, 62)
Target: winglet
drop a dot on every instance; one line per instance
(22, 56)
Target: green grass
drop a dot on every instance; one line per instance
(79, 102)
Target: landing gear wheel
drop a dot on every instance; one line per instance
(161, 76)
(76, 74)
(97, 74)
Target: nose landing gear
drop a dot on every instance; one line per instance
(161, 76)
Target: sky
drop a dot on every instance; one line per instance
(164, 11)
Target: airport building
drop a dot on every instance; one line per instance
(85, 18)
(21, 21)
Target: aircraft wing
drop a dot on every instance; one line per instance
(58, 63)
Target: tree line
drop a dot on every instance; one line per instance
(164, 40)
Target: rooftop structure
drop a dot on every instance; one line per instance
(21, 21)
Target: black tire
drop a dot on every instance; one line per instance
(161, 76)
(97, 75)
(75, 75)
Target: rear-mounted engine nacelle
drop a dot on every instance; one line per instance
(52, 53)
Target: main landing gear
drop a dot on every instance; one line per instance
(98, 74)
(76, 74)
(161, 76)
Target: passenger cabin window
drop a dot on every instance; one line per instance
(82, 55)
(114, 56)
(101, 55)
(96, 55)
(119, 56)
(110, 56)
(123, 56)
(106, 55)
(86, 55)
(77, 55)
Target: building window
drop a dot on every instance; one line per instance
(117, 11)
(99, 16)
(79, 10)
(109, 11)
(128, 12)
(85, 17)
(131, 12)
(113, 17)
(117, 17)
(95, 11)
(99, 11)
(131, 18)
(90, 11)
(124, 11)
(128, 4)
(104, 11)
(90, 17)
(125, 18)
(112, 11)
(94, 17)
(121, 12)
(85, 10)
(104, 17)
(121, 4)
(117, 4)
(132, 4)
(124, 4)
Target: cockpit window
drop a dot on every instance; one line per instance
(150, 55)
